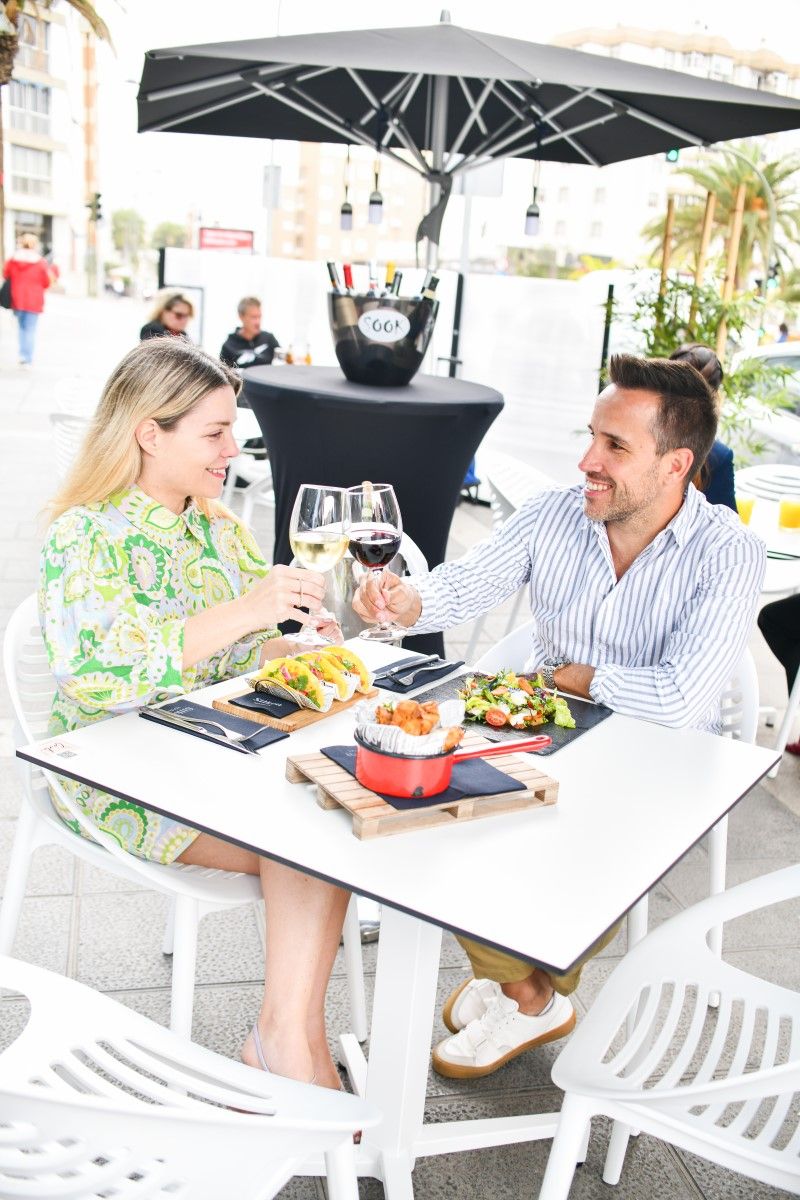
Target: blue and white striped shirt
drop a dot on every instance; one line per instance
(664, 639)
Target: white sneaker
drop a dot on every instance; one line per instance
(468, 1002)
(502, 1033)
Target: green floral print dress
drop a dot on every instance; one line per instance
(118, 581)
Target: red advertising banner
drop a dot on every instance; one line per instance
(211, 238)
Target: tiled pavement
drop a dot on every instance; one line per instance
(66, 926)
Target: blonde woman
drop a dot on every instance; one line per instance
(150, 588)
(168, 317)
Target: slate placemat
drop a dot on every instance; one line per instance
(586, 715)
(471, 778)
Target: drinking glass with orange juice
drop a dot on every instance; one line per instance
(744, 506)
(789, 513)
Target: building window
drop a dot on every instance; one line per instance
(652, 200)
(29, 106)
(31, 171)
(596, 229)
(34, 43)
(563, 195)
(599, 195)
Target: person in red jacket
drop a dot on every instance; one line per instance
(29, 275)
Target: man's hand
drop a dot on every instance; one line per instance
(385, 597)
(575, 679)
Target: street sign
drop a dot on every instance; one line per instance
(212, 238)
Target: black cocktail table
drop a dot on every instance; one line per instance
(320, 428)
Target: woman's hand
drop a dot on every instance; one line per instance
(281, 596)
(384, 597)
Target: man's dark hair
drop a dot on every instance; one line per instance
(687, 416)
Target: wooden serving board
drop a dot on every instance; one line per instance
(298, 720)
(373, 817)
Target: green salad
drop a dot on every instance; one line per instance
(511, 700)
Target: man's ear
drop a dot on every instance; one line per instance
(680, 464)
(147, 435)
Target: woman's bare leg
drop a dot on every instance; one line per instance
(304, 922)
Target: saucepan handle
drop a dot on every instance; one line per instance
(527, 744)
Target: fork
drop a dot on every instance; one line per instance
(405, 680)
(239, 740)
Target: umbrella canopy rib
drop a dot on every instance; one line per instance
(484, 128)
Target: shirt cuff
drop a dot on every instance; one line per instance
(606, 684)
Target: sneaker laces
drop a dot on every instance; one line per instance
(492, 1026)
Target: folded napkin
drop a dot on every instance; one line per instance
(392, 685)
(273, 706)
(262, 734)
(471, 778)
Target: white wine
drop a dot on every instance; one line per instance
(319, 549)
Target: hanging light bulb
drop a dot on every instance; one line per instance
(532, 217)
(376, 199)
(346, 211)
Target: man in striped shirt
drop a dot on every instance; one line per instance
(643, 597)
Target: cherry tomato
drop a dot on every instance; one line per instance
(495, 717)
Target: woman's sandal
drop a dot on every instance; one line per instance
(262, 1062)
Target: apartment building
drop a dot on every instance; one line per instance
(44, 126)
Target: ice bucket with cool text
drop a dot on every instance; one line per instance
(381, 340)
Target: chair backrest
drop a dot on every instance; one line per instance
(31, 690)
(510, 652)
(94, 1095)
(415, 560)
(69, 430)
(510, 482)
(739, 702)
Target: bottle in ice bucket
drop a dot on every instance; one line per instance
(424, 311)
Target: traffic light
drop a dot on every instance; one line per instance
(95, 212)
(672, 155)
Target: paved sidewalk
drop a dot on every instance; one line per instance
(66, 926)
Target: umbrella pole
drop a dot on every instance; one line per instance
(438, 142)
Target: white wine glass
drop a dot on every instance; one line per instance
(318, 537)
(375, 531)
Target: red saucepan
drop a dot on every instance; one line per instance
(417, 776)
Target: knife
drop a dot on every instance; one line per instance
(410, 664)
(164, 717)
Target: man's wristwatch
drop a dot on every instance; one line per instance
(549, 667)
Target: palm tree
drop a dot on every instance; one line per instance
(10, 14)
(722, 177)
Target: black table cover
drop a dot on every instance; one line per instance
(320, 428)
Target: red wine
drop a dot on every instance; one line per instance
(374, 546)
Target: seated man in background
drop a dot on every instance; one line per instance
(249, 345)
(643, 596)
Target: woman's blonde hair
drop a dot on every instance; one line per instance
(29, 241)
(165, 301)
(162, 379)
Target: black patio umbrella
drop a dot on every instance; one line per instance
(465, 96)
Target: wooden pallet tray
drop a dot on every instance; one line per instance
(374, 817)
(298, 720)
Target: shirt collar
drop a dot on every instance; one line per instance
(680, 527)
(159, 523)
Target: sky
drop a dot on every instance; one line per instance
(160, 173)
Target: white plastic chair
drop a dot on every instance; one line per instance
(257, 474)
(69, 430)
(510, 482)
(739, 708)
(193, 891)
(97, 1100)
(720, 1083)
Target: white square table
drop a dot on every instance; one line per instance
(634, 797)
